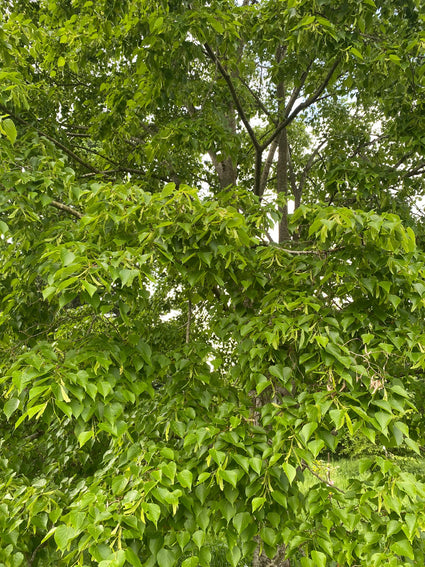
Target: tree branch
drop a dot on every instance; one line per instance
(296, 91)
(258, 101)
(189, 320)
(57, 143)
(311, 100)
(267, 166)
(307, 168)
(235, 97)
(67, 208)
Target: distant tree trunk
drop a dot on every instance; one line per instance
(282, 177)
(282, 183)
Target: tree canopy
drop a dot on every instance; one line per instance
(170, 375)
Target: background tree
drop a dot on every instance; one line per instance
(168, 374)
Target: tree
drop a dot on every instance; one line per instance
(169, 374)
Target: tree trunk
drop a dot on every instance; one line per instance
(282, 176)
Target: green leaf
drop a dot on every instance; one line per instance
(183, 539)
(191, 561)
(61, 61)
(403, 547)
(356, 52)
(256, 464)
(84, 436)
(37, 409)
(127, 276)
(290, 471)
(185, 478)
(269, 536)
(166, 558)
(316, 446)
(413, 445)
(132, 558)
(231, 476)
(241, 521)
(319, 558)
(198, 538)
(10, 406)
(153, 511)
(64, 535)
(233, 555)
(90, 288)
(9, 129)
(307, 431)
(258, 503)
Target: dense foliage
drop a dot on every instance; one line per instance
(170, 376)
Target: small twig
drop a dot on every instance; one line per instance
(330, 484)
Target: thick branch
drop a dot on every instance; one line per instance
(235, 97)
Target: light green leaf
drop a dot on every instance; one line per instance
(307, 431)
(90, 288)
(84, 436)
(319, 558)
(290, 471)
(316, 446)
(10, 406)
(256, 464)
(257, 503)
(403, 547)
(127, 276)
(356, 53)
(241, 521)
(185, 478)
(9, 129)
(153, 511)
(63, 536)
(231, 476)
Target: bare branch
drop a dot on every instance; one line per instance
(66, 208)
